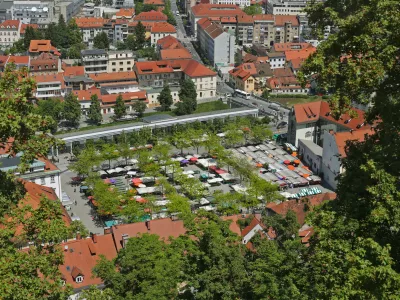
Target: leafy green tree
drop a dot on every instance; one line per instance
(253, 10)
(93, 293)
(30, 34)
(119, 108)
(147, 268)
(181, 141)
(109, 152)
(148, 52)
(101, 41)
(188, 95)
(140, 35)
(260, 133)
(165, 98)
(62, 32)
(130, 42)
(265, 94)
(139, 107)
(52, 108)
(87, 159)
(76, 227)
(94, 114)
(72, 109)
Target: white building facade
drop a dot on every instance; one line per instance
(120, 61)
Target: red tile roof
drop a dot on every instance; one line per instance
(169, 42)
(23, 60)
(13, 24)
(25, 26)
(244, 71)
(299, 206)
(264, 17)
(189, 66)
(281, 47)
(250, 58)
(40, 46)
(74, 71)
(154, 2)
(303, 53)
(213, 29)
(356, 135)
(281, 20)
(126, 12)
(127, 97)
(49, 78)
(162, 27)
(234, 226)
(175, 54)
(216, 10)
(113, 77)
(282, 72)
(90, 22)
(306, 235)
(243, 18)
(224, 20)
(81, 256)
(296, 63)
(312, 111)
(85, 95)
(251, 226)
(151, 16)
(164, 228)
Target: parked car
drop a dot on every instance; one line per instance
(281, 125)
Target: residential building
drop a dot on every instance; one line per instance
(151, 16)
(201, 11)
(160, 30)
(295, 58)
(288, 7)
(170, 54)
(9, 33)
(90, 27)
(68, 9)
(244, 30)
(41, 170)
(334, 151)
(123, 3)
(36, 47)
(125, 14)
(282, 47)
(159, 73)
(34, 12)
(49, 86)
(153, 93)
(147, 26)
(217, 44)
(240, 3)
(45, 63)
(119, 77)
(76, 79)
(169, 42)
(287, 85)
(88, 9)
(81, 256)
(109, 101)
(309, 121)
(18, 61)
(311, 154)
(271, 29)
(95, 61)
(84, 98)
(251, 77)
(120, 61)
(5, 10)
(277, 59)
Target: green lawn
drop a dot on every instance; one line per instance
(211, 106)
(289, 102)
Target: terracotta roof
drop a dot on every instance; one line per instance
(169, 42)
(296, 63)
(224, 20)
(154, 2)
(281, 47)
(189, 66)
(306, 235)
(164, 228)
(249, 58)
(40, 46)
(264, 17)
(151, 16)
(244, 71)
(113, 77)
(13, 24)
(243, 18)
(90, 22)
(281, 20)
(81, 256)
(213, 29)
(44, 62)
(49, 78)
(282, 72)
(74, 71)
(250, 227)
(299, 206)
(125, 12)
(303, 53)
(162, 27)
(234, 226)
(212, 10)
(175, 54)
(127, 97)
(312, 111)
(147, 25)
(356, 135)
(23, 60)
(85, 95)
(25, 26)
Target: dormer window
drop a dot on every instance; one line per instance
(79, 279)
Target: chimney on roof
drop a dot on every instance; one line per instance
(66, 248)
(125, 238)
(351, 130)
(94, 238)
(347, 121)
(360, 125)
(107, 230)
(78, 236)
(331, 131)
(148, 225)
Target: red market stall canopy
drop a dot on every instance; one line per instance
(193, 159)
(137, 181)
(286, 162)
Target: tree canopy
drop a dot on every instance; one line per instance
(119, 107)
(101, 41)
(94, 114)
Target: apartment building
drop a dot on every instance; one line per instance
(151, 16)
(45, 63)
(277, 59)
(36, 47)
(153, 93)
(201, 11)
(95, 61)
(169, 42)
(88, 10)
(244, 30)
(115, 83)
(109, 101)
(216, 43)
(9, 33)
(123, 3)
(125, 14)
(279, 7)
(160, 30)
(169, 54)
(240, 3)
(159, 73)
(49, 86)
(251, 77)
(34, 12)
(90, 27)
(120, 61)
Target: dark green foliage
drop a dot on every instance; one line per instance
(253, 10)
(53, 108)
(187, 97)
(139, 107)
(165, 98)
(101, 41)
(95, 115)
(140, 35)
(119, 108)
(72, 110)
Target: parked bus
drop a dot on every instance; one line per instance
(242, 94)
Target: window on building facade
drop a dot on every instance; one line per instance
(42, 180)
(52, 179)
